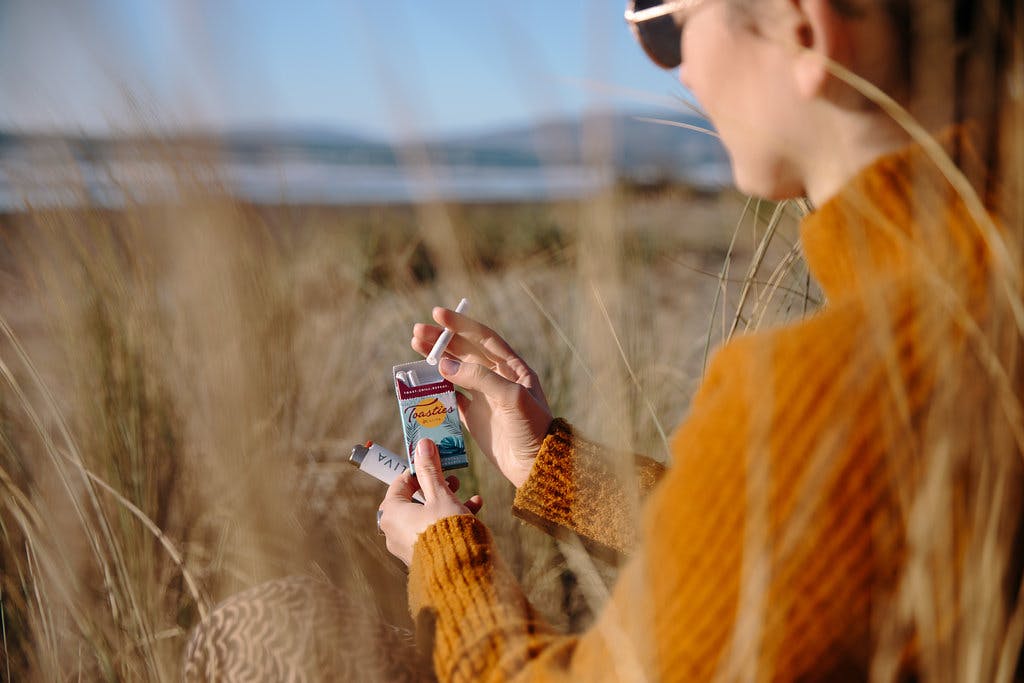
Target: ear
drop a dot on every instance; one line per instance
(820, 34)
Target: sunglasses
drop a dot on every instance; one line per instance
(655, 27)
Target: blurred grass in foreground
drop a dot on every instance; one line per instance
(182, 384)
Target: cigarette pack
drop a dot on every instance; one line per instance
(426, 401)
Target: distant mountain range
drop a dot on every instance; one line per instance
(631, 144)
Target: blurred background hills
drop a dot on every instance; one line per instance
(569, 156)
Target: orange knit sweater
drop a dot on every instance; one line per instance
(769, 546)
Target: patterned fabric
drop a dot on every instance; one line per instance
(299, 630)
(777, 539)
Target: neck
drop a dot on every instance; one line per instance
(854, 141)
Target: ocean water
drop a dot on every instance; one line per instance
(26, 182)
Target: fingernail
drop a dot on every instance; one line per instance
(423, 447)
(449, 365)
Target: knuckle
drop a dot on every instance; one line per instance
(472, 371)
(519, 366)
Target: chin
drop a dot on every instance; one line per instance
(773, 183)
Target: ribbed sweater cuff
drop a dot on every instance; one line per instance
(453, 551)
(545, 498)
(468, 607)
(571, 489)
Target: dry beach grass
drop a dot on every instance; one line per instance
(182, 383)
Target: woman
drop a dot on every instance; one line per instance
(844, 499)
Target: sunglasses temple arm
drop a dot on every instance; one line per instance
(639, 16)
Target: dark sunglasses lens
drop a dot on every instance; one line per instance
(659, 37)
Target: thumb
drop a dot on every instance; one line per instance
(427, 462)
(477, 378)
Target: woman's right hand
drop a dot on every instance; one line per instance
(506, 411)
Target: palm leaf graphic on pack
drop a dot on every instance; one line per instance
(451, 445)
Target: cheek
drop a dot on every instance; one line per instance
(694, 66)
(733, 75)
(712, 60)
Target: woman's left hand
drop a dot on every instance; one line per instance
(402, 520)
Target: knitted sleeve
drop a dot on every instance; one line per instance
(759, 548)
(573, 489)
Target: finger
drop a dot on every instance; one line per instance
(428, 470)
(509, 366)
(464, 402)
(457, 346)
(401, 489)
(421, 341)
(474, 503)
(478, 343)
(477, 378)
(453, 483)
(425, 336)
(492, 343)
(475, 411)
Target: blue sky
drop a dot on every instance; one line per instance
(386, 68)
